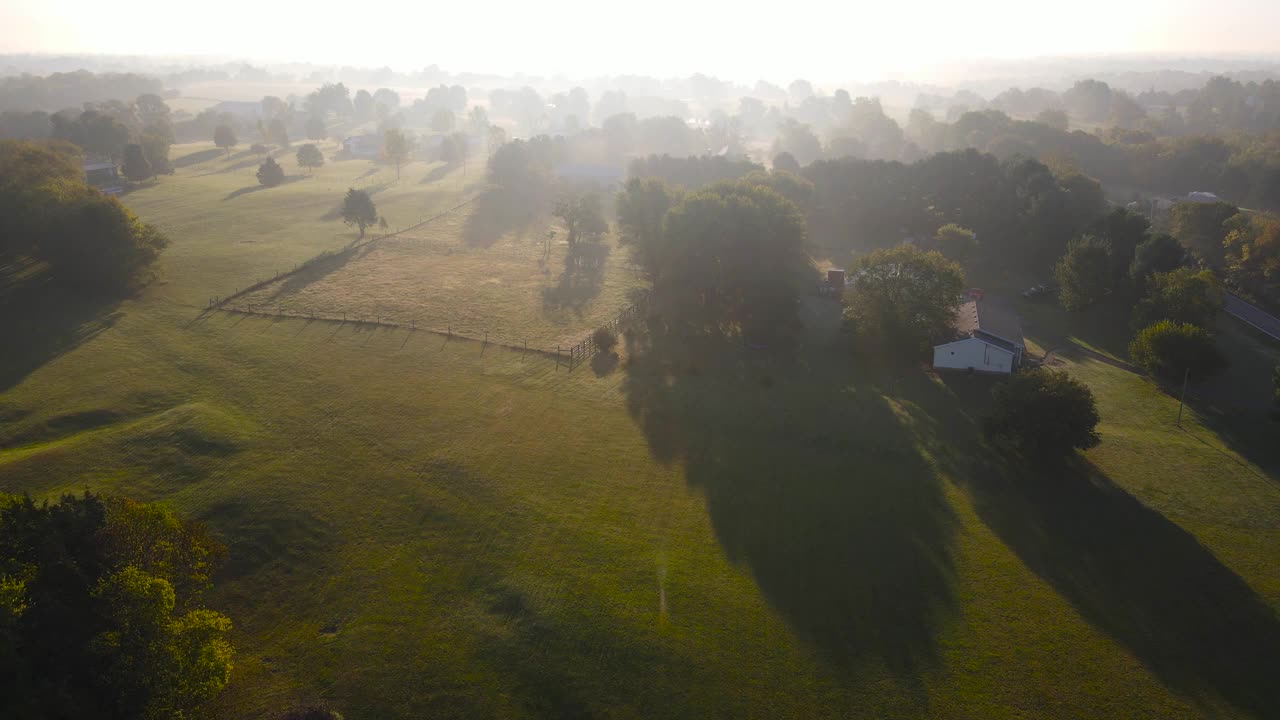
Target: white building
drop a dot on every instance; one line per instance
(990, 339)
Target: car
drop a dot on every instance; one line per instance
(1036, 292)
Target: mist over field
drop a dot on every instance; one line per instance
(669, 361)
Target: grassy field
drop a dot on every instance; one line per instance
(425, 527)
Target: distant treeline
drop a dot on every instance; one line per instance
(63, 90)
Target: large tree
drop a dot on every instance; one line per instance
(398, 146)
(315, 128)
(1200, 227)
(1172, 351)
(225, 138)
(583, 216)
(100, 611)
(1184, 295)
(642, 208)
(358, 209)
(135, 166)
(310, 157)
(270, 174)
(1043, 414)
(904, 296)
(734, 259)
(1084, 274)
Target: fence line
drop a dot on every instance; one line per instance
(586, 348)
(218, 303)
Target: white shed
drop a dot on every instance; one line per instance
(975, 354)
(989, 339)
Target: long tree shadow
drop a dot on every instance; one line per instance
(437, 173)
(259, 187)
(581, 279)
(196, 158)
(497, 212)
(813, 483)
(315, 271)
(42, 320)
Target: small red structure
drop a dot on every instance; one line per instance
(835, 278)
(975, 293)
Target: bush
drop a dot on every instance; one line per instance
(1043, 414)
(258, 149)
(605, 339)
(270, 174)
(1168, 350)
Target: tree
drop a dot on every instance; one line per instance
(109, 623)
(642, 208)
(1183, 296)
(904, 296)
(443, 121)
(310, 157)
(363, 104)
(270, 174)
(497, 137)
(734, 260)
(225, 138)
(155, 148)
(1043, 414)
(786, 162)
(277, 132)
(1252, 254)
(1158, 253)
(136, 167)
(956, 242)
(1200, 228)
(798, 140)
(1168, 349)
(315, 128)
(99, 133)
(582, 216)
(1056, 119)
(478, 120)
(1084, 273)
(605, 339)
(397, 145)
(358, 209)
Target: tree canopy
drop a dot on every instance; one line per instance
(1084, 274)
(100, 613)
(310, 157)
(1168, 350)
(270, 174)
(904, 296)
(1043, 414)
(358, 209)
(1184, 295)
(398, 146)
(225, 138)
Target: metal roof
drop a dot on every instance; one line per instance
(990, 316)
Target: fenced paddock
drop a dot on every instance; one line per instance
(520, 291)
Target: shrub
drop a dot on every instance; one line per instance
(258, 149)
(270, 174)
(1043, 414)
(605, 339)
(1167, 350)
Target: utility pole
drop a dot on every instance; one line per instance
(1183, 399)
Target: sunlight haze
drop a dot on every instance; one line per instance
(811, 39)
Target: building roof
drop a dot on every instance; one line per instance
(989, 316)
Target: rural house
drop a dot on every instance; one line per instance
(990, 339)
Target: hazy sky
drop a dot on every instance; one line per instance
(830, 40)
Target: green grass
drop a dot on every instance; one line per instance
(421, 527)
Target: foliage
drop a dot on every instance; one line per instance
(786, 162)
(1124, 231)
(443, 121)
(1043, 414)
(109, 624)
(1200, 228)
(98, 133)
(956, 242)
(583, 216)
(358, 209)
(398, 146)
(1084, 273)
(904, 296)
(310, 157)
(1252, 255)
(797, 139)
(1184, 295)
(277, 132)
(605, 339)
(135, 166)
(734, 258)
(642, 208)
(1168, 349)
(270, 174)
(71, 89)
(225, 138)
(691, 172)
(1158, 253)
(90, 240)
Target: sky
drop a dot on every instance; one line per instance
(833, 40)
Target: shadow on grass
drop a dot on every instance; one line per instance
(1126, 568)
(436, 174)
(196, 158)
(813, 483)
(314, 272)
(496, 213)
(43, 320)
(581, 279)
(1139, 577)
(247, 189)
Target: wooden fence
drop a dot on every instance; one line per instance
(586, 348)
